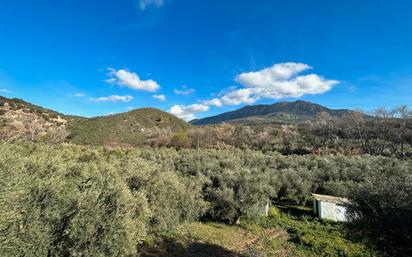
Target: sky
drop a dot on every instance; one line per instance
(200, 58)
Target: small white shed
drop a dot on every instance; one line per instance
(330, 207)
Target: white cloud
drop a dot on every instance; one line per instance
(143, 4)
(278, 72)
(3, 90)
(282, 80)
(131, 80)
(188, 112)
(239, 96)
(79, 95)
(184, 90)
(113, 98)
(213, 102)
(160, 97)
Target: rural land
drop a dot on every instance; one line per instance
(205, 128)
(146, 182)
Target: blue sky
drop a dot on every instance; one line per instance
(200, 58)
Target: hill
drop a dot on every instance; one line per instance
(18, 105)
(130, 128)
(283, 112)
(20, 118)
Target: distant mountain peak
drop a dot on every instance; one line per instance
(281, 112)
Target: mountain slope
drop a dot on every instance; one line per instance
(130, 128)
(283, 112)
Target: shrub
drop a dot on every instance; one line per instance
(382, 208)
(53, 206)
(180, 140)
(274, 212)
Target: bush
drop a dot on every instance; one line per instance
(63, 200)
(54, 206)
(382, 208)
(180, 140)
(274, 212)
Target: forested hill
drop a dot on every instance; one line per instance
(283, 112)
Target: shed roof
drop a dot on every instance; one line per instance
(330, 198)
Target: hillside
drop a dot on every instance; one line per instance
(19, 118)
(19, 105)
(283, 112)
(127, 129)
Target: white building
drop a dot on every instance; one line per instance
(330, 207)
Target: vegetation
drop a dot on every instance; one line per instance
(382, 208)
(76, 200)
(321, 130)
(70, 200)
(132, 128)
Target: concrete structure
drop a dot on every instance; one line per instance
(330, 207)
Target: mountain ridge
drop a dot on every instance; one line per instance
(281, 112)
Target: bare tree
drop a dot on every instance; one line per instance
(57, 135)
(324, 130)
(289, 134)
(158, 137)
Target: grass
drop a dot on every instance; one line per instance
(289, 234)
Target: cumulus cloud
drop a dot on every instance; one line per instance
(131, 80)
(239, 96)
(184, 90)
(213, 102)
(160, 97)
(282, 80)
(278, 72)
(113, 98)
(188, 113)
(143, 4)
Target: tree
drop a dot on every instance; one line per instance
(323, 129)
(382, 208)
(290, 136)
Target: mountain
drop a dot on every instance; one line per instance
(283, 112)
(20, 118)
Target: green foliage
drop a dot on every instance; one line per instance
(125, 129)
(63, 200)
(55, 206)
(317, 237)
(274, 212)
(180, 140)
(382, 208)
